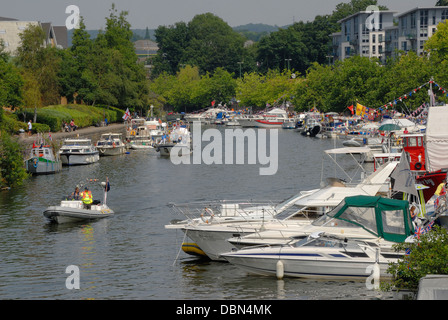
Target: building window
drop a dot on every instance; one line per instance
(423, 32)
(445, 14)
(380, 49)
(404, 46)
(347, 51)
(380, 38)
(373, 49)
(413, 20)
(2, 31)
(424, 18)
(422, 44)
(373, 38)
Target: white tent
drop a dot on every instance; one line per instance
(437, 138)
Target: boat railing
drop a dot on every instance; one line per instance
(222, 211)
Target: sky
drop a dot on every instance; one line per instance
(153, 13)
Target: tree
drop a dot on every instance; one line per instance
(41, 61)
(12, 171)
(441, 3)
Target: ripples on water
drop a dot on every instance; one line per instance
(131, 255)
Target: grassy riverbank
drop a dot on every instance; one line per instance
(83, 116)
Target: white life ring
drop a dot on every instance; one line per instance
(207, 215)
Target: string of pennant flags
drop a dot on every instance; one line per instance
(366, 111)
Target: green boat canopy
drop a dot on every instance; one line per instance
(386, 218)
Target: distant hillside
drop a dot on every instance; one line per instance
(252, 31)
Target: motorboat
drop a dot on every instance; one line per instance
(207, 116)
(316, 257)
(297, 211)
(179, 137)
(272, 119)
(78, 152)
(75, 210)
(289, 123)
(43, 160)
(325, 255)
(312, 127)
(111, 144)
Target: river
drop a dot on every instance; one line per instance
(131, 255)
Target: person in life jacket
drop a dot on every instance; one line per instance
(86, 198)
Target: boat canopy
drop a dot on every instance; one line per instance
(386, 218)
(437, 138)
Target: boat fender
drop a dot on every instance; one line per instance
(418, 166)
(35, 162)
(207, 215)
(113, 144)
(133, 133)
(280, 270)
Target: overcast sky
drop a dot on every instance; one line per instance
(152, 13)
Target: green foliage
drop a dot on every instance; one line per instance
(11, 85)
(12, 171)
(429, 255)
(206, 42)
(84, 116)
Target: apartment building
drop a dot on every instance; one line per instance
(402, 32)
(361, 35)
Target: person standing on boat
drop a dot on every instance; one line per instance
(86, 198)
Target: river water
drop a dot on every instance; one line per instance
(131, 255)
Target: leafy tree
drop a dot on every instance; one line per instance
(12, 172)
(11, 85)
(41, 61)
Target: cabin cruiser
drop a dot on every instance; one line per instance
(179, 137)
(43, 160)
(323, 255)
(298, 211)
(272, 119)
(77, 211)
(78, 152)
(110, 144)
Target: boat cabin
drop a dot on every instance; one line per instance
(414, 145)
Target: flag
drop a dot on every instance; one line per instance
(404, 181)
(351, 109)
(360, 109)
(127, 114)
(107, 186)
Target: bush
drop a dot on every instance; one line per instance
(428, 255)
(40, 128)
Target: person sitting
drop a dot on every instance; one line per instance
(86, 198)
(73, 127)
(76, 195)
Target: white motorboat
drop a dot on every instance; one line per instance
(43, 160)
(180, 138)
(272, 119)
(323, 257)
(336, 256)
(78, 152)
(111, 144)
(298, 211)
(76, 211)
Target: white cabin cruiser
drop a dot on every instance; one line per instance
(111, 144)
(78, 152)
(336, 256)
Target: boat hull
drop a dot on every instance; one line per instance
(111, 151)
(304, 264)
(73, 159)
(268, 124)
(76, 213)
(38, 166)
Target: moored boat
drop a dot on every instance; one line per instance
(110, 144)
(78, 152)
(43, 160)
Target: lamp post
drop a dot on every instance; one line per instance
(240, 63)
(288, 60)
